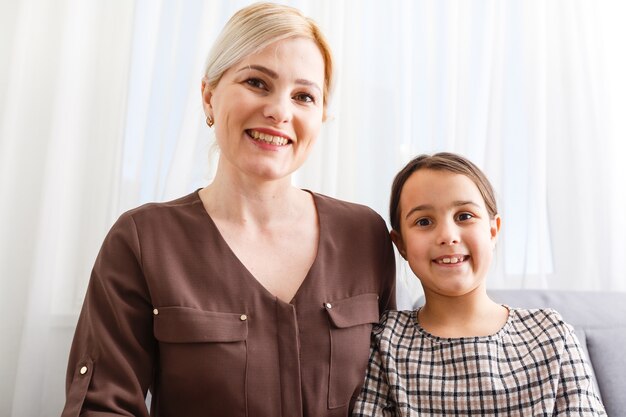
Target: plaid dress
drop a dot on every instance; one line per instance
(533, 366)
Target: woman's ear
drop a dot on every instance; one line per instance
(207, 94)
(396, 238)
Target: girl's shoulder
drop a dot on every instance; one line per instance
(539, 322)
(394, 321)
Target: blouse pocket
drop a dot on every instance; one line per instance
(202, 360)
(351, 324)
(188, 325)
(78, 389)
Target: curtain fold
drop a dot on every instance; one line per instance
(100, 111)
(63, 115)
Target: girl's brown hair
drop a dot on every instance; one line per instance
(442, 161)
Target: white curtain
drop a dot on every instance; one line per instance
(100, 111)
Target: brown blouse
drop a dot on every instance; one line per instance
(170, 308)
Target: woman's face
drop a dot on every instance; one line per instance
(447, 235)
(268, 109)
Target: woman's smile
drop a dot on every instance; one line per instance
(268, 137)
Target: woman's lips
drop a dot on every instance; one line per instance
(268, 138)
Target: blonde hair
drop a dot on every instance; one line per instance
(256, 26)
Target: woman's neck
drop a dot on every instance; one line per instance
(242, 201)
(470, 315)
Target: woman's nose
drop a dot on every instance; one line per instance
(278, 108)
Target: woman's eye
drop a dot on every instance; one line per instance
(256, 83)
(304, 97)
(465, 216)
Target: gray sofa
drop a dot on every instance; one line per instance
(599, 320)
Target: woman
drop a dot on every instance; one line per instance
(249, 297)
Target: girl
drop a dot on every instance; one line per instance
(462, 353)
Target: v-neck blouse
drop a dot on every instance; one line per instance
(170, 308)
(245, 272)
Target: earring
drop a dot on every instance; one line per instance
(209, 121)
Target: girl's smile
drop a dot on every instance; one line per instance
(451, 260)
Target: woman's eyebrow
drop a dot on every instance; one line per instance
(269, 72)
(272, 74)
(308, 83)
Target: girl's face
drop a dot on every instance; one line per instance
(268, 109)
(446, 233)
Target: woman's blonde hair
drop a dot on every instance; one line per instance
(256, 26)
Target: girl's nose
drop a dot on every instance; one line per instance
(448, 234)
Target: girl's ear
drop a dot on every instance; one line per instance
(495, 227)
(396, 238)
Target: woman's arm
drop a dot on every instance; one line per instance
(111, 360)
(388, 290)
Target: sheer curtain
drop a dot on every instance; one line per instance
(64, 88)
(100, 111)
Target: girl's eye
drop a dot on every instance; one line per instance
(423, 222)
(465, 216)
(256, 83)
(304, 97)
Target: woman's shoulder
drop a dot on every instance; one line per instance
(342, 205)
(177, 204)
(158, 215)
(346, 212)
(165, 208)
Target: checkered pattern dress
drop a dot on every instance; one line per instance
(534, 366)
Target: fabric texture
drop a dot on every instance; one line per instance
(599, 321)
(170, 308)
(533, 366)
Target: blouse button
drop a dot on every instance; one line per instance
(328, 305)
(243, 317)
(155, 311)
(83, 370)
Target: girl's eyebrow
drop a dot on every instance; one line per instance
(457, 203)
(273, 75)
(418, 208)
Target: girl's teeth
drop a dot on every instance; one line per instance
(453, 260)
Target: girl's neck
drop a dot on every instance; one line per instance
(470, 315)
